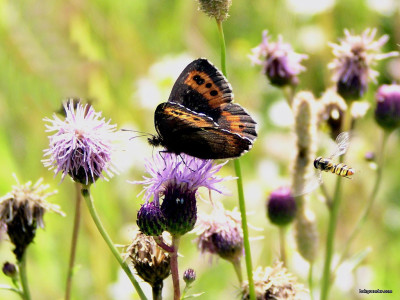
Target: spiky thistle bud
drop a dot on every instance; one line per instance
(150, 219)
(22, 212)
(9, 269)
(151, 262)
(217, 9)
(387, 112)
(275, 283)
(281, 207)
(306, 234)
(189, 276)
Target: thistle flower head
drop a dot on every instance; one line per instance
(274, 283)
(151, 262)
(387, 112)
(22, 210)
(217, 9)
(280, 63)
(281, 207)
(81, 145)
(355, 56)
(176, 180)
(220, 233)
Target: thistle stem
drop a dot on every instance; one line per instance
(74, 241)
(11, 289)
(310, 280)
(89, 202)
(333, 215)
(174, 267)
(282, 242)
(238, 269)
(371, 200)
(242, 205)
(157, 291)
(23, 278)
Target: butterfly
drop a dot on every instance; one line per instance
(199, 118)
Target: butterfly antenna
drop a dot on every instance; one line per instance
(185, 163)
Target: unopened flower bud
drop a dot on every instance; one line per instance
(281, 207)
(9, 269)
(189, 276)
(387, 112)
(150, 219)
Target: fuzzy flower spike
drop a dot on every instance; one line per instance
(355, 56)
(81, 145)
(175, 180)
(280, 63)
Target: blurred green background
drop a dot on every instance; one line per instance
(124, 56)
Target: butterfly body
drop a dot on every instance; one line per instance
(200, 119)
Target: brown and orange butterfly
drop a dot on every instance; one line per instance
(200, 119)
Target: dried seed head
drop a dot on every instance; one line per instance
(151, 262)
(275, 283)
(22, 212)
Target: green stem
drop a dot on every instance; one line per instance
(333, 215)
(174, 267)
(23, 278)
(371, 200)
(238, 269)
(89, 202)
(310, 281)
(282, 242)
(242, 205)
(74, 241)
(157, 290)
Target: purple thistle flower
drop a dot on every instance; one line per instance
(82, 144)
(354, 58)
(221, 233)
(183, 172)
(176, 180)
(280, 63)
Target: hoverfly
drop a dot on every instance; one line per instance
(328, 165)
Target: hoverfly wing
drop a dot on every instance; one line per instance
(342, 144)
(313, 182)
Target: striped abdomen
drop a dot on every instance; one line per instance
(342, 170)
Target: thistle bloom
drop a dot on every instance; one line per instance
(354, 58)
(221, 233)
(22, 210)
(280, 63)
(175, 180)
(275, 283)
(82, 144)
(387, 112)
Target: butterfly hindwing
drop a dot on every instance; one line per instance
(236, 120)
(201, 87)
(200, 119)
